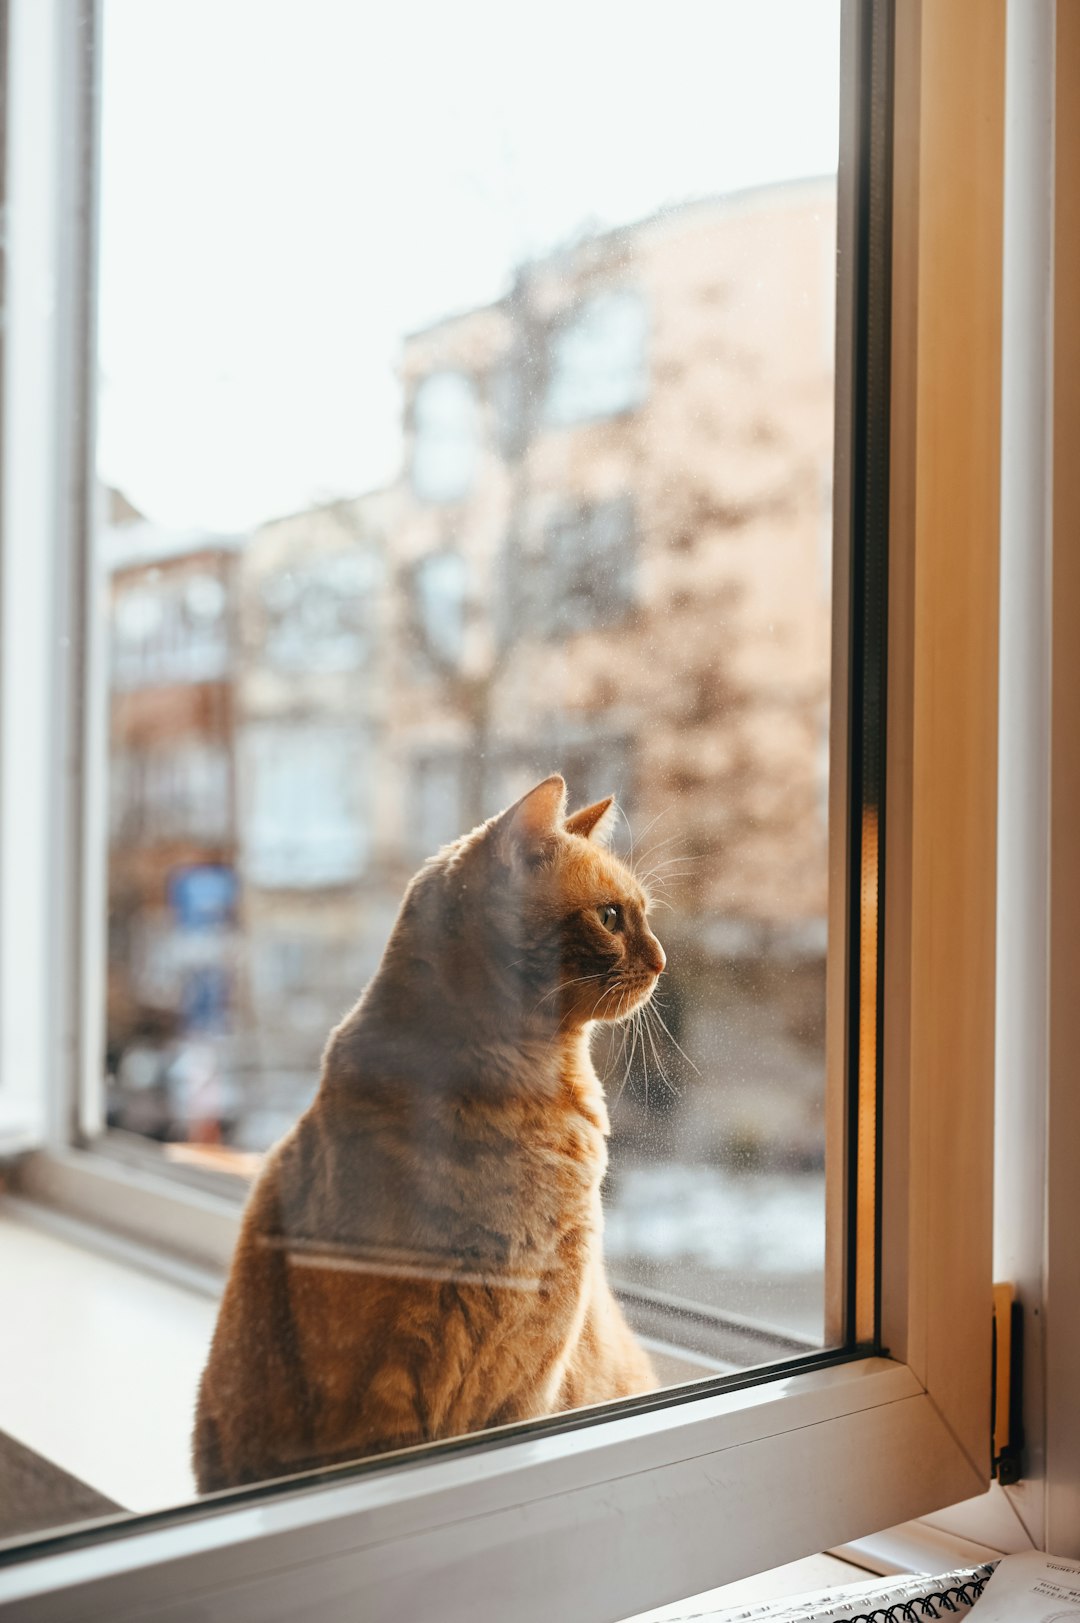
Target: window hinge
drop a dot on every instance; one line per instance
(1008, 1364)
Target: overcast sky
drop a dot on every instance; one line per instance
(290, 185)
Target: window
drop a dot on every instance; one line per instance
(303, 822)
(440, 584)
(598, 359)
(318, 616)
(589, 567)
(435, 801)
(173, 631)
(830, 1331)
(165, 794)
(445, 430)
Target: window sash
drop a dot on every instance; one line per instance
(606, 1515)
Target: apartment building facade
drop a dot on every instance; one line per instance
(608, 553)
(319, 858)
(174, 990)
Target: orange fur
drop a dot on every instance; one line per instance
(421, 1255)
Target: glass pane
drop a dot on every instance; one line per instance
(466, 417)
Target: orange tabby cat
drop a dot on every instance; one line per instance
(421, 1255)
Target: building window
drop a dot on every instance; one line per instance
(436, 797)
(445, 437)
(509, 390)
(182, 791)
(440, 583)
(598, 360)
(303, 807)
(170, 627)
(320, 616)
(584, 579)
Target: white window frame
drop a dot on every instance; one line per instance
(602, 1518)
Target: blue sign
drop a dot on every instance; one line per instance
(203, 897)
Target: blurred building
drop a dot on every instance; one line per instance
(616, 540)
(609, 553)
(173, 991)
(321, 879)
(614, 554)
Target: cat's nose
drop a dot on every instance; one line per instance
(655, 956)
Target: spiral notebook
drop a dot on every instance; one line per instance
(874, 1600)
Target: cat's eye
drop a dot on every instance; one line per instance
(610, 916)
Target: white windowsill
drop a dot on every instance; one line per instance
(100, 1364)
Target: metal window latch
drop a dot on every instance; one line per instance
(1008, 1367)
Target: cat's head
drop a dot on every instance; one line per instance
(549, 922)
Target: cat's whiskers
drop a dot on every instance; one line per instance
(570, 1012)
(674, 868)
(629, 1031)
(641, 1033)
(629, 831)
(650, 1013)
(635, 1027)
(663, 878)
(667, 872)
(562, 986)
(645, 874)
(653, 864)
(644, 1061)
(625, 1037)
(673, 1039)
(605, 993)
(652, 824)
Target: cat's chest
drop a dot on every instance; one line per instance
(536, 1183)
(566, 1164)
(547, 1133)
(477, 1182)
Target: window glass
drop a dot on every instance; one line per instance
(440, 585)
(587, 567)
(448, 445)
(598, 362)
(444, 437)
(304, 824)
(436, 800)
(317, 613)
(177, 633)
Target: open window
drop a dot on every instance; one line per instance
(798, 1213)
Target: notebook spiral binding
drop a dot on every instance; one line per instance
(938, 1604)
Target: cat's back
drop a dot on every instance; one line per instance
(311, 1306)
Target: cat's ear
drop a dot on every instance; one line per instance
(536, 816)
(596, 822)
